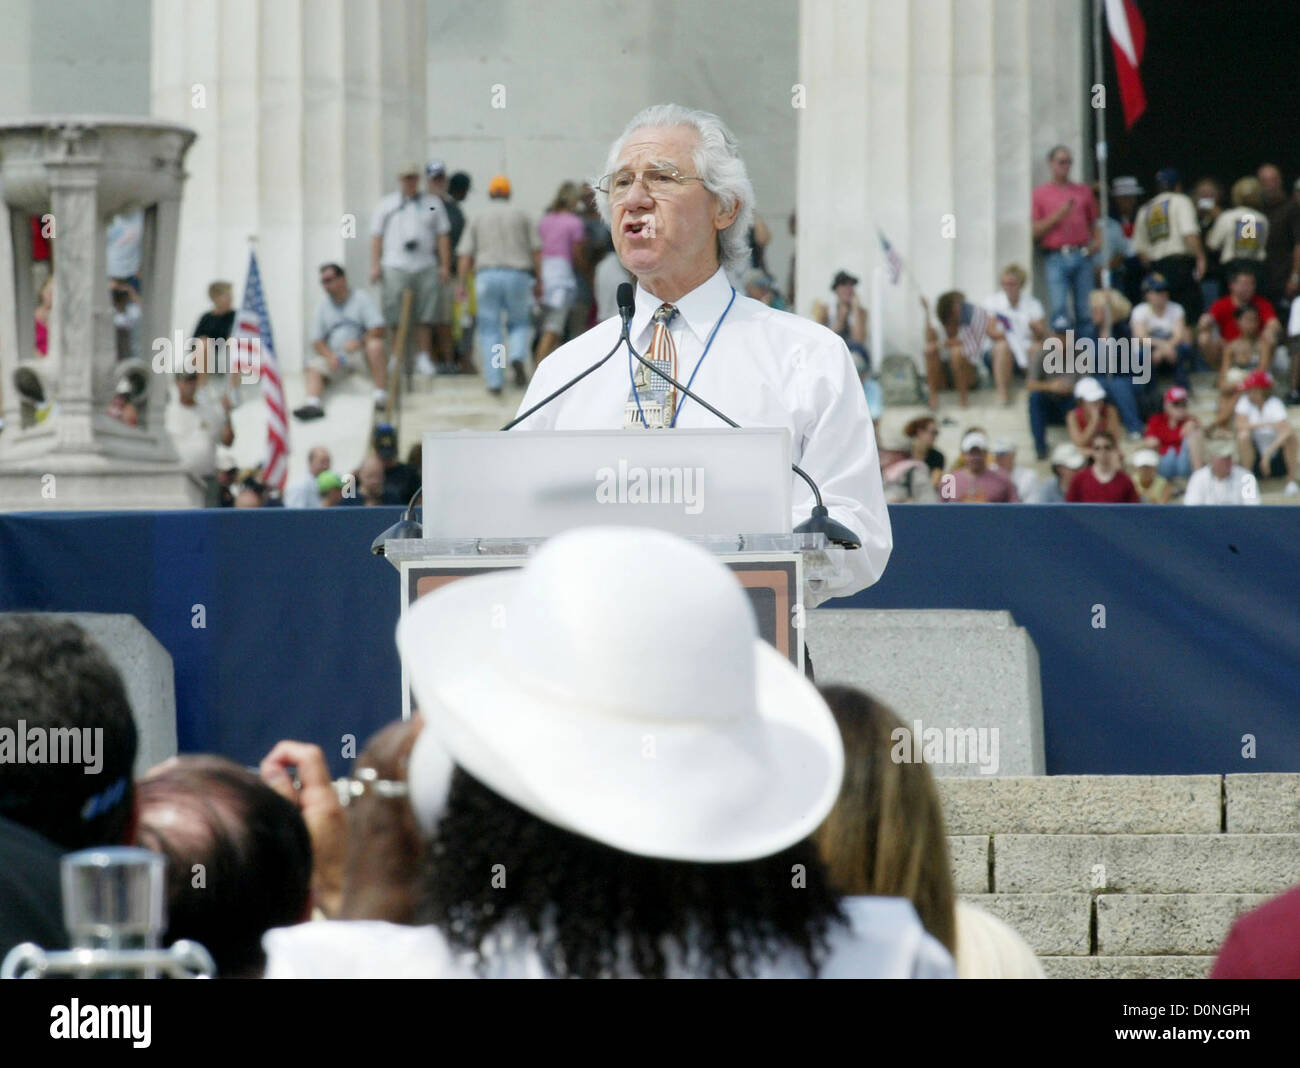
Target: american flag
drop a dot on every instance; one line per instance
(974, 325)
(893, 261)
(253, 322)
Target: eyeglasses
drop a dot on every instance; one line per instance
(1103, 448)
(658, 181)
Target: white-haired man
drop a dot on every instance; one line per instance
(679, 204)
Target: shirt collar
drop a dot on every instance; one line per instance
(699, 309)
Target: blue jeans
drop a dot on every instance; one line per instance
(502, 291)
(1119, 388)
(1070, 273)
(1047, 408)
(1176, 464)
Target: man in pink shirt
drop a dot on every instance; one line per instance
(977, 481)
(1065, 223)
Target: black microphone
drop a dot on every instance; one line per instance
(819, 520)
(626, 308)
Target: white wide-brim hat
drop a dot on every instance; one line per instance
(616, 687)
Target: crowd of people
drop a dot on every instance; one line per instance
(768, 831)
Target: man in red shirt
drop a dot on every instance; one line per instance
(1066, 227)
(1176, 435)
(1218, 326)
(1264, 943)
(1104, 482)
(977, 481)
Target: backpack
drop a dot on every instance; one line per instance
(899, 381)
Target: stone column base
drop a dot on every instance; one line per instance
(95, 483)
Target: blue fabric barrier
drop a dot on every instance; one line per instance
(1201, 643)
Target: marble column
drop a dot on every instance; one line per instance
(304, 110)
(931, 120)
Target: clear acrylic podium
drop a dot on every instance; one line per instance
(497, 484)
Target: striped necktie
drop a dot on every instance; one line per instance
(653, 401)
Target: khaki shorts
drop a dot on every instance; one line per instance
(424, 287)
(443, 306)
(347, 364)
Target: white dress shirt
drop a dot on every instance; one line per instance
(883, 940)
(766, 368)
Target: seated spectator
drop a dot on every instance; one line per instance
(1151, 487)
(306, 493)
(1221, 481)
(370, 482)
(922, 432)
(349, 325)
(760, 287)
(1025, 479)
(55, 678)
(1050, 386)
(1105, 481)
(1176, 436)
(1219, 325)
(885, 838)
(1240, 234)
(251, 493)
(1241, 357)
(400, 480)
(577, 855)
(906, 476)
(1091, 414)
(949, 356)
(848, 318)
(1264, 943)
(1024, 326)
(1162, 322)
(976, 481)
(208, 815)
(1066, 460)
(1265, 437)
(1113, 372)
(329, 490)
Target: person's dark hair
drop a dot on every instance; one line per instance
(1105, 435)
(458, 184)
(915, 426)
(332, 267)
(597, 911)
(56, 679)
(1238, 270)
(1051, 152)
(947, 302)
(885, 835)
(238, 857)
(1244, 310)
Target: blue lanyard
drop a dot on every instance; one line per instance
(690, 381)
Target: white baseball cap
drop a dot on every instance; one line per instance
(616, 686)
(1146, 458)
(1089, 389)
(1068, 455)
(974, 440)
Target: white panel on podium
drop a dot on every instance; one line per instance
(528, 484)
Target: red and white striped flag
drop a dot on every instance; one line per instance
(254, 322)
(974, 325)
(1128, 40)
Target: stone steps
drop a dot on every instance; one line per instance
(1123, 876)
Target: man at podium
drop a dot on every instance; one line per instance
(680, 204)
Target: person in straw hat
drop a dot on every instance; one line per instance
(617, 777)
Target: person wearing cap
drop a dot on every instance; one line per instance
(329, 490)
(1049, 385)
(349, 330)
(1265, 437)
(1024, 326)
(679, 203)
(1219, 325)
(1282, 250)
(1125, 192)
(975, 481)
(598, 800)
(1091, 414)
(305, 493)
(1176, 436)
(1065, 461)
(502, 247)
(1167, 238)
(849, 319)
(1151, 487)
(1066, 228)
(1104, 482)
(400, 479)
(1025, 479)
(1221, 480)
(196, 428)
(410, 249)
(1163, 323)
